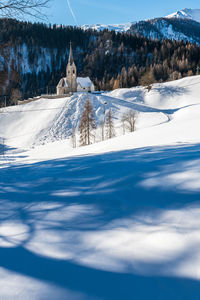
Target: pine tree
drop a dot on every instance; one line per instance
(87, 124)
(110, 130)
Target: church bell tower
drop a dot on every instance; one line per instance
(71, 72)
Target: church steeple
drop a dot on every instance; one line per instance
(71, 72)
(71, 59)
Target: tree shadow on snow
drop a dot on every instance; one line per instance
(8, 154)
(170, 91)
(58, 207)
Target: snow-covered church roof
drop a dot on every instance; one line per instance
(84, 82)
(63, 82)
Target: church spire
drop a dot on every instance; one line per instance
(71, 59)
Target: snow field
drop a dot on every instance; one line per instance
(118, 219)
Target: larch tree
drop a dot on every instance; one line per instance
(87, 124)
(16, 95)
(123, 120)
(128, 121)
(110, 130)
(73, 137)
(102, 126)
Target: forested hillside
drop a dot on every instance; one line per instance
(168, 28)
(34, 58)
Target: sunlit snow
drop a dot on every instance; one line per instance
(118, 219)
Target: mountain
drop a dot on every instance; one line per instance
(181, 25)
(116, 27)
(186, 13)
(171, 28)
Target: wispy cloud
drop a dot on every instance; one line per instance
(72, 12)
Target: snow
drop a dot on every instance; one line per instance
(116, 27)
(164, 30)
(118, 219)
(65, 82)
(186, 13)
(84, 82)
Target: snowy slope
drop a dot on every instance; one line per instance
(124, 212)
(45, 121)
(54, 123)
(116, 220)
(186, 13)
(169, 28)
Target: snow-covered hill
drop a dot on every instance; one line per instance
(118, 219)
(186, 13)
(45, 121)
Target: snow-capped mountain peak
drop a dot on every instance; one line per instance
(116, 27)
(186, 13)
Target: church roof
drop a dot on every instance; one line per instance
(63, 82)
(84, 82)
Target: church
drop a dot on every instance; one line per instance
(71, 83)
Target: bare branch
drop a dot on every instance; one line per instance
(128, 121)
(21, 8)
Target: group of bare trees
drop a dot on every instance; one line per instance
(22, 8)
(87, 126)
(17, 9)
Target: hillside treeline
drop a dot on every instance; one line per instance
(34, 58)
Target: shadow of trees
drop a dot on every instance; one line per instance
(52, 203)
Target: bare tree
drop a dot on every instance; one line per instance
(73, 137)
(128, 121)
(87, 124)
(102, 125)
(5, 54)
(110, 130)
(16, 95)
(123, 120)
(21, 8)
(3, 79)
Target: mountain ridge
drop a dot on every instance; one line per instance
(186, 13)
(181, 25)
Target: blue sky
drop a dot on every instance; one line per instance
(113, 11)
